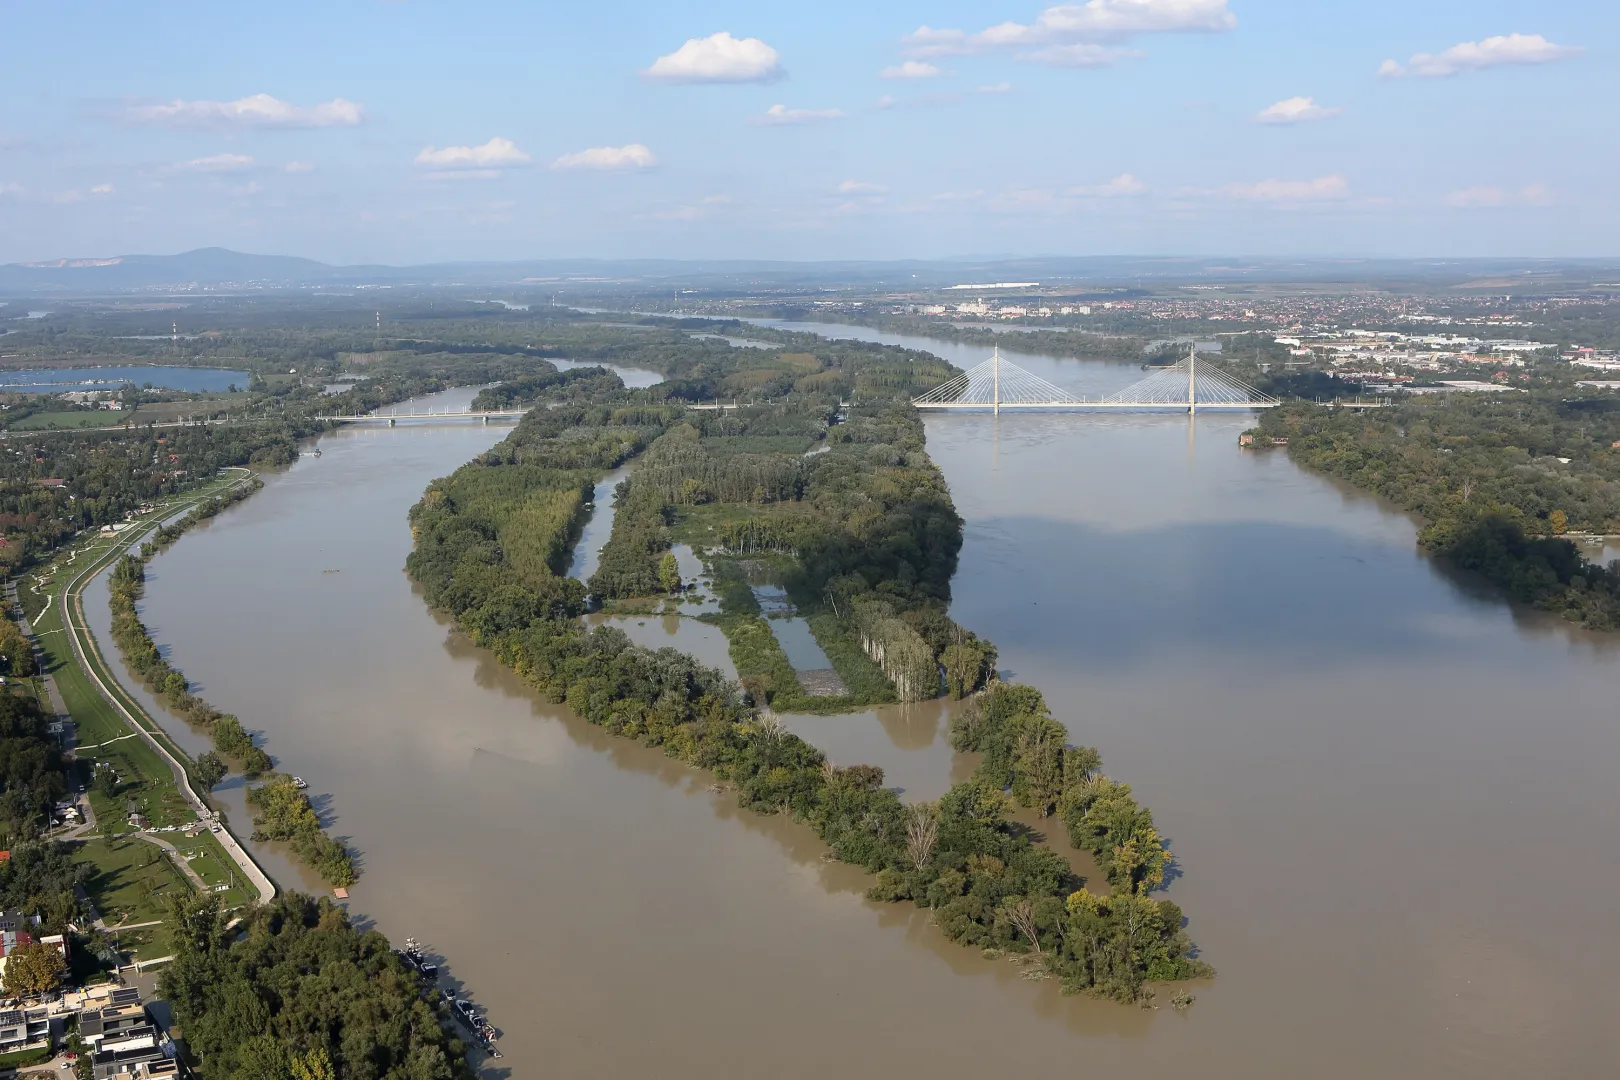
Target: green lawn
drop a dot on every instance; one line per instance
(145, 777)
(98, 418)
(132, 881)
(208, 860)
(147, 943)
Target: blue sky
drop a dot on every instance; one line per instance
(360, 131)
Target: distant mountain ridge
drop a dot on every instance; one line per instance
(204, 266)
(216, 268)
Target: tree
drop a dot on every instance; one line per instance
(107, 781)
(922, 833)
(210, 770)
(964, 665)
(669, 573)
(33, 968)
(314, 1065)
(1557, 522)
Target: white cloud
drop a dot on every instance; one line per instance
(1083, 54)
(1294, 110)
(860, 187)
(782, 115)
(496, 153)
(633, 156)
(911, 69)
(257, 110)
(926, 41)
(1474, 55)
(1536, 194)
(102, 189)
(887, 101)
(1320, 189)
(1061, 26)
(217, 163)
(1122, 185)
(298, 167)
(718, 58)
(246, 190)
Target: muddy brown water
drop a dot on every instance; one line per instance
(1390, 795)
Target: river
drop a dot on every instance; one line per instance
(1366, 768)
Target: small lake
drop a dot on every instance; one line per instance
(58, 380)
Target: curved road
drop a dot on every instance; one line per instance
(84, 648)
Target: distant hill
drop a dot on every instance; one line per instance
(203, 267)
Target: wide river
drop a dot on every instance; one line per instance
(1388, 793)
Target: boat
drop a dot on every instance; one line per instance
(412, 954)
(299, 783)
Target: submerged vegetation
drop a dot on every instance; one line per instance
(287, 815)
(863, 537)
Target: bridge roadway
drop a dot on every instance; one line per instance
(511, 415)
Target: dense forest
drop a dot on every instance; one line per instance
(33, 775)
(293, 990)
(864, 536)
(1500, 480)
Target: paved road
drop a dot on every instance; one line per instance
(84, 645)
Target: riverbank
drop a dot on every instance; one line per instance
(1498, 482)
(121, 733)
(869, 525)
(285, 811)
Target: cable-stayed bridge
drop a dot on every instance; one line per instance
(1000, 384)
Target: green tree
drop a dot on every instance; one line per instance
(964, 666)
(669, 573)
(314, 1065)
(107, 781)
(33, 968)
(210, 770)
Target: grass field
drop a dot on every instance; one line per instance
(156, 412)
(145, 943)
(104, 735)
(133, 879)
(43, 421)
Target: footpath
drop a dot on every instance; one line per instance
(88, 656)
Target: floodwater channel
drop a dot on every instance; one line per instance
(1366, 766)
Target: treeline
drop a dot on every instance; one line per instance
(285, 814)
(987, 883)
(575, 382)
(293, 991)
(106, 475)
(16, 651)
(41, 878)
(492, 539)
(1500, 479)
(288, 815)
(33, 775)
(876, 538)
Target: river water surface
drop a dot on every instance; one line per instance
(1390, 796)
